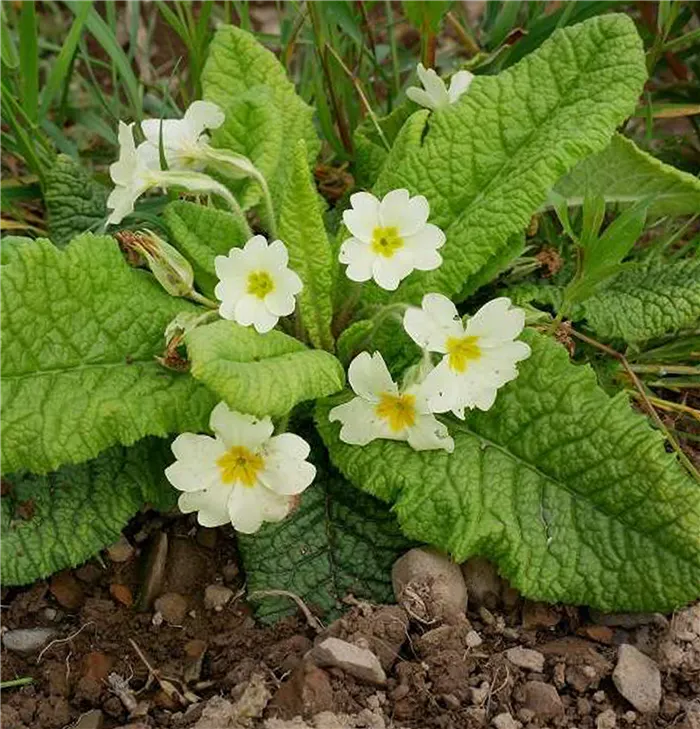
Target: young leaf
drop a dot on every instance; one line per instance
(60, 520)
(260, 374)
(238, 63)
(487, 163)
(623, 173)
(75, 203)
(202, 233)
(80, 330)
(302, 229)
(338, 542)
(569, 491)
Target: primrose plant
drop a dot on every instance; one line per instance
(222, 372)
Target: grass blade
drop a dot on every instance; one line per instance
(29, 59)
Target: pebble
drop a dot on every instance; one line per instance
(97, 665)
(67, 591)
(539, 616)
(92, 720)
(526, 658)
(122, 594)
(358, 662)
(229, 571)
(505, 721)
(429, 585)
(88, 573)
(479, 695)
(606, 720)
(173, 607)
(638, 679)
(543, 699)
(216, 597)
(628, 620)
(307, 692)
(473, 639)
(484, 586)
(121, 550)
(26, 641)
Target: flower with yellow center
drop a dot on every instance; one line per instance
(479, 358)
(380, 410)
(390, 238)
(243, 475)
(256, 286)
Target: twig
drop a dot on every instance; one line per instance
(311, 619)
(465, 38)
(166, 684)
(16, 682)
(642, 394)
(62, 640)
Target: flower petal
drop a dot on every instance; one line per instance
(277, 254)
(359, 257)
(195, 467)
(497, 321)
(286, 469)
(363, 217)
(389, 272)
(434, 85)
(430, 325)
(369, 377)
(407, 214)
(459, 84)
(280, 303)
(420, 97)
(249, 507)
(240, 429)
(429, 434)
(211, 505)
(250, 310)
(203, 115)
(360, 422)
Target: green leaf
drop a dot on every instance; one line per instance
(426, 15)
(515, 247)
(201, 233)
(302, 229)
(80, 330)
(60, 520)
(569, 491)
(487, 163)
(236, 64)
(623, 173)
(75, 203)
(338, 542)
(253, 128)
(647, 301)
(260, 374)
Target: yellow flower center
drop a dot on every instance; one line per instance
(386, 241)
(461, 351)
(399, 410)
(239, 465)
(260, 284)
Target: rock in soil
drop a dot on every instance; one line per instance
(638, 679)
(543, 700)
(628, 620)
(306, 692)
(484, 586)
(121, 550)
(525, 658)
(429, 585)
(173, 607)
(505, 721)
(216, 597)
(26, 641)
(539, 616)
(358, 662)
(92, 720)
(67, 591)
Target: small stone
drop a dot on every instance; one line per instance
(505, 721)
(97, 666)
(230, 571)
(216, 597)
(121, 550)
(173, 607)
(599, 697)
(543, 699)
(67, 591)
(599, 633)
(630, 717)
(429, 585)
(451, 701)
(638, 679)
(526, 659)
(89, 573)
(539, 616)
(628, 620)
(358, 662)
(484, 586)
(26, 641)
(92, 720)
(606, 720)
(473, 639)
(479, 695)
(122, 594)
(50, 613)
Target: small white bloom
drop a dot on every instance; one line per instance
(243, 475)
(390, 239)
(184, 140)
(434, 94)
(479, 358)
(256, 286)
(380, 410)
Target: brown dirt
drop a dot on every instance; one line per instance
(437, 676)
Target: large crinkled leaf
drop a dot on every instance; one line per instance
(236, 64)
(74, 201)
(260, 374)
(623, 173)
(80, 330)
(569, 491)
(338, 542)
(302, 229)
(202, 233)
(647, 301)
(487, 162)
(59, 520)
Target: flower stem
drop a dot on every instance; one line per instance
(195, 296)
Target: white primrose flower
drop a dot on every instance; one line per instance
(381, 410)
(434, 94)
(256, 286)
(138, 170)
(479, 357)
(391, 238)
(243, 475)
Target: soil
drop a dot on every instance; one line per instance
(450, 675)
